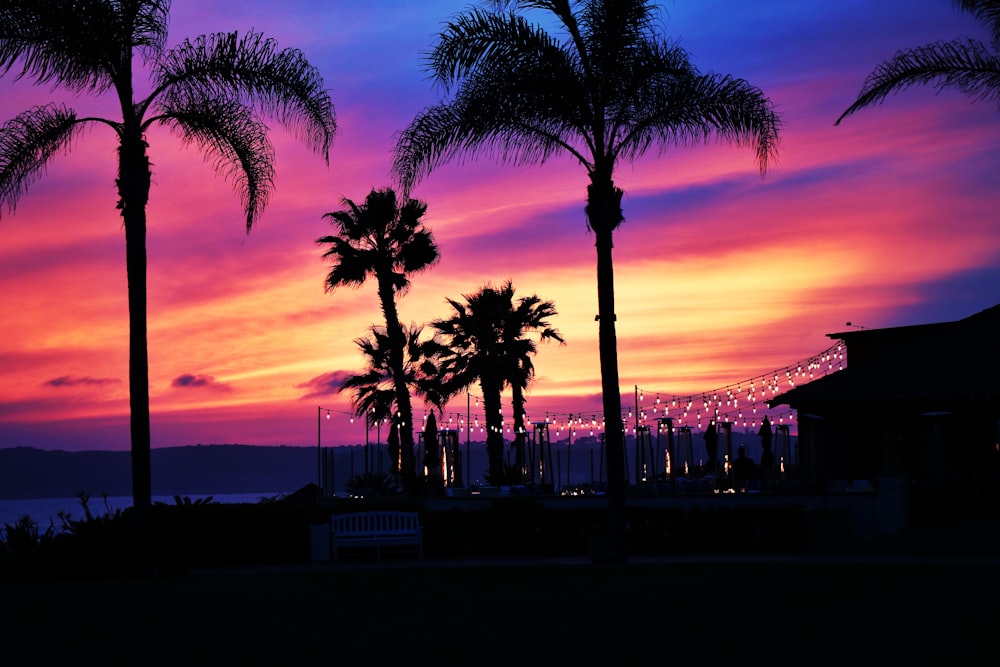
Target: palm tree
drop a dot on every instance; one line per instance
(374, 389)
(531, 314)
(210, 90)
(607, 89)
(486, 339)
(385, 240)
(967, 65)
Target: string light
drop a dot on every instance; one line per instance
(721, 404)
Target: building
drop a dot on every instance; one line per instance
(919, 403)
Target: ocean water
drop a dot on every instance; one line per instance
(46, 510)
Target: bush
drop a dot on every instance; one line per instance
(165, 539)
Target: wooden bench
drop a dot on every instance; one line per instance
(375, 529)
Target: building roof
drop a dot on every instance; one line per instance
(947, 361)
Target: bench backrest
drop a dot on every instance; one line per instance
(375, 523)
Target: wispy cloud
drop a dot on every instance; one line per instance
(71, 381)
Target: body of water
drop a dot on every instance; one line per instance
(46, 510)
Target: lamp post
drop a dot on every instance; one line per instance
(468, 440)
(319, 451)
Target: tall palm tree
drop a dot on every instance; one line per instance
(386, 240)
(210, 90)
(966, 65)
(607, 89)
(486, 339)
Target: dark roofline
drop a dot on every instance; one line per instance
(854, 333)
(863, 381)
(847, 335)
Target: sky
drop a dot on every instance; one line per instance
(722, 275)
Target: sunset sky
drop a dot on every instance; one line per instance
(889, 219)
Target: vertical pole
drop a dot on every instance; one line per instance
(601, 438)
(333, 471)
(638, 465)
(319, 447)
(468, 440)
(569, 446)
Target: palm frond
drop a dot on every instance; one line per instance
(966, 65)
(82, 46)
(253, 69)
(986, 12)
(27, 143)
(505, 104)
(481, 38)
(228, 132)
(350, 268)
(612, 31)
(149, 26)
(698, 108)
(482, 122)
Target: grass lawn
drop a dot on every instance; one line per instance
(801, 613)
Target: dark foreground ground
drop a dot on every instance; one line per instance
(853, 609)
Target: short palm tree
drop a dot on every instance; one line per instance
(530, 315)
(374, 389)
(486, 339)
(210, 90)
(606, 89)
(966, 65)
(384, 239)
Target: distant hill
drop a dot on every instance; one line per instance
(26, 472)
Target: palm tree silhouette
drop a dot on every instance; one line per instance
(966, 65)
(210, 90)
(486, 340)
(374, 389)
(530, 314)
(384, 239)
(607, 89)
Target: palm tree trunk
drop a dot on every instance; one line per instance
(133, 191)
(520, 433)
(397, 341)
(604, 214)
(494, 429)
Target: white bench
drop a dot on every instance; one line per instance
(375, 529)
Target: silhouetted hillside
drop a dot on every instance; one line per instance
(202, 469)
(26, 472)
